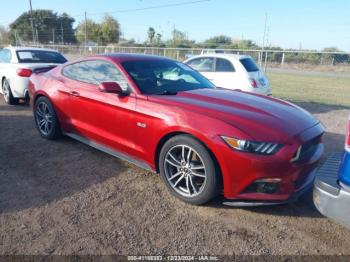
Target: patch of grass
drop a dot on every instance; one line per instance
(304, 88)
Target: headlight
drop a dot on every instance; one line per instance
(262, 148)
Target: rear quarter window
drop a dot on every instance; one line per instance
(249, 64)
(95, 72)
(224, 65)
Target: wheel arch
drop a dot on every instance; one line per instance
(170, 135)
(37, 97)
(41, 94)
(3, 78)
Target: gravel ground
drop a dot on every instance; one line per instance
(64, 197)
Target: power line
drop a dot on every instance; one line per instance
(153, 7)
(132, 9)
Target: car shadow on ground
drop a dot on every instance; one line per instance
(19, 107)
(35, 171)
(319, 108)
(303, 207)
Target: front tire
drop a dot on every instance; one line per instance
(6, 90)
(46, 119)
(188, 170)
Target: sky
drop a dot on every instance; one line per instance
(308, 24)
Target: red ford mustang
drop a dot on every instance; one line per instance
(163, 116)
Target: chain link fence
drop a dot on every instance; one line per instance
(285, 59)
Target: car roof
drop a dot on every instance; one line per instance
(220, 55)
(19, 48)
(123, 57)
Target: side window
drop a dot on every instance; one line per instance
(5, 56)
(95, 72)
(204, 64)
(224, 65)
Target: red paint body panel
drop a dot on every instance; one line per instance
(206, 114)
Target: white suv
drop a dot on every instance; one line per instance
(16, 66)
(231, 72)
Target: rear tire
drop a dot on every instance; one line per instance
(188, 170)
(46, 119)
(6, 90)
(26, 98)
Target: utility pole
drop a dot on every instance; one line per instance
(31, 19)
(37, 34)
(62, 33)
(16, 37)
(266, 44)
(263, 42)
(53, 35)
(174, 32)
(85, 29)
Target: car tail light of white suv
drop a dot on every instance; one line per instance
(24, 72)
(253, 83)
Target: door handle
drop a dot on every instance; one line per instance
(74, 93)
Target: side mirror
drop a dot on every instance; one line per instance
(112, 87)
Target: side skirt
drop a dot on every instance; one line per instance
(110, 151)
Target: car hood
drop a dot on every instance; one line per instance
(260, 117)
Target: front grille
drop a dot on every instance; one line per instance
(306, 150)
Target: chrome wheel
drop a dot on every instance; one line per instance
(44, 118)
(6, 90)
(185, 170)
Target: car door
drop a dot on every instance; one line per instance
(96, 117)
(226, 75)
(204, 65)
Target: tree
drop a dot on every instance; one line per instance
(331, 49)
(106, 32)
(244, 44)
(151, 33)
(158, 39)
(92, 29)
(180, 40)
(217, 41)
(110, 30)
(4, 36)
(48, 27)
(333, 59)
(65, 31)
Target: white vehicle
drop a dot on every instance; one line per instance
(16, 66)
(231, 71)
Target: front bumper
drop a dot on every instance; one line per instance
(294, 197)
(241, 170)
(331, 198)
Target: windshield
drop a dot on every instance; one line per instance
(164, 76)
(249, 65)
(40, 56)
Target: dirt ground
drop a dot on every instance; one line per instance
(64, 197)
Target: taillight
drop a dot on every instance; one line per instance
(24, 72)
(347, 142)
(253, 83)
